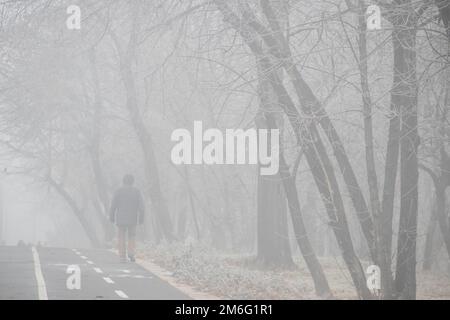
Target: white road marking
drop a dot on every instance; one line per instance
(121, 294)
(89, 262)
(108, 280)
(59, 264)
(98, 270)
(83, 257)
(42, 289)
(126, 271)
(138, 276)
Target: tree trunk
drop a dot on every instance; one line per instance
(320, 281)
(372, 180)
(287, 181)
(442, 216)
(85, 224)
(273, 249)
(2, 219)
(191, 202)
(390, 179)
(404, 35)
(429, 241)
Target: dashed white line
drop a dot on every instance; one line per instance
(121, 294)
(42, 289)
(98, 270)
(108, 280)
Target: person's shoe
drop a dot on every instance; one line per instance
(132, 258)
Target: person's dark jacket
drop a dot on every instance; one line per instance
(127, 207)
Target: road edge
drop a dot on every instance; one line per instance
(166, 276)
(42, 288)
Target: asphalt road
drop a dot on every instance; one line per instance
(42, 273)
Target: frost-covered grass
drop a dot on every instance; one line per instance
(237, 277)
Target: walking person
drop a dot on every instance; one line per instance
(127, 210)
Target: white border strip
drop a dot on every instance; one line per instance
(42, 289)
(166, 276)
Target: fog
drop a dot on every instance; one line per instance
(94, 90)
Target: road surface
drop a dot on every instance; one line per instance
(41, 273)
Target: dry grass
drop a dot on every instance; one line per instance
(236, 277)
